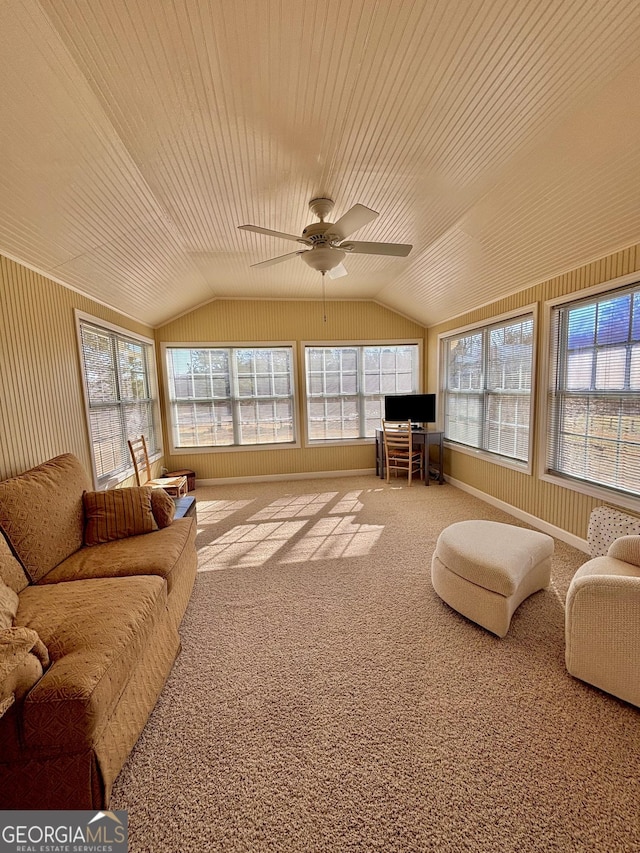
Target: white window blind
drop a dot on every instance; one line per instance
(346, 386)
(227, 396)
(594, 391)
(119, 383)
(487, 387)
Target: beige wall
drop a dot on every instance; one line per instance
(42, 408)
(240, 321)
(562, 507)
(41, 400)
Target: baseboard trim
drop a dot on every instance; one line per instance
(270, 478)
(521, 515)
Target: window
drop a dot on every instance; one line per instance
(487, 387)
(594, 391)
(346, 386)
(230, 396)
(119, 376)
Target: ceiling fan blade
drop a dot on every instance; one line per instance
(338, 272)
(279, 259)
(258, 230)
(356, 217)
(398, 250)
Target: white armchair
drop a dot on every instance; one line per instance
(602, 621)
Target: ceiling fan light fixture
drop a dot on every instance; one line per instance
(323, 258)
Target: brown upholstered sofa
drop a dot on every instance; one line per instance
(90, 637)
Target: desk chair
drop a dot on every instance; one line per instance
(174, 486)
(399, 452)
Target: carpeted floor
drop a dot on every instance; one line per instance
(327, 700)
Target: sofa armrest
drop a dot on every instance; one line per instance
(626, 548)
(23, 659)
(6, 703)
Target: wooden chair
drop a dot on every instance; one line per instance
(174, 486)
(399, 452)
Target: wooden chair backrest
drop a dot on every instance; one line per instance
(140, 457)
(397, 436)
(399, 453)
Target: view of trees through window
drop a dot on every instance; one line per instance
(487, 387)
(225, 396)
(594, 397)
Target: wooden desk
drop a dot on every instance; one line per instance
(423, 438)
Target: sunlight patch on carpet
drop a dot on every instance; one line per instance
(248, 545)
(213, 512)
(348, 503)
(332, 538)
(293, 506)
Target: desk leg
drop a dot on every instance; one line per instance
(425, 462)
(440, 461)
(380, 472)
(427, 458)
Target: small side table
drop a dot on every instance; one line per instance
(190, 475)
(185, 507)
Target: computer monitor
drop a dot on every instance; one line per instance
(417, 408)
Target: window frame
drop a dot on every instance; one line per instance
(525, 467)
(592, 490)
(120, 475)
(230, 448)
(359, 441)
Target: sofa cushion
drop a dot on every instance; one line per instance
(41, 513)
(163, 507)
(117, 514)
(11, 572)
(95, 631)
(157, 554)
(8, 605)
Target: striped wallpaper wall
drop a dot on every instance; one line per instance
(561, 507)
(42, 407)
(41, 400)
(244, 321)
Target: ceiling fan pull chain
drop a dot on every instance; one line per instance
(324, 301)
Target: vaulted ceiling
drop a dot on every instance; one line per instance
(499, 137)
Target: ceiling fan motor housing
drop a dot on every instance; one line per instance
(316, 232)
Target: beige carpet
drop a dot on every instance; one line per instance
(327, 700)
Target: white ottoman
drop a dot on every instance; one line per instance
(485, 569)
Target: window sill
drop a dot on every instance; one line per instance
(234, 448)
(114, 480)
(503, 461)
(339, 442)
(610, 496)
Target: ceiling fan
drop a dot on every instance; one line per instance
(325, 243)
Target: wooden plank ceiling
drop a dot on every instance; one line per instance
(499, 137)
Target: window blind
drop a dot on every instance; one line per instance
(487, 387)
(594, 390)
(226, 396)
(117, 373)
(346, 387)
